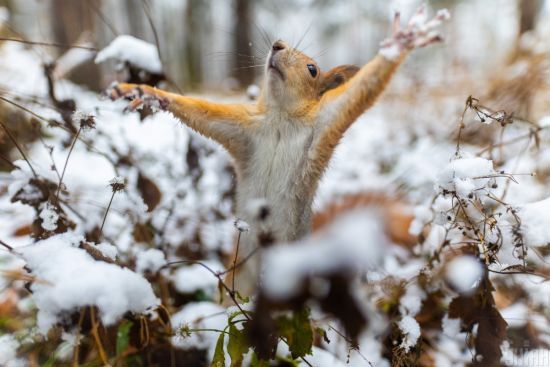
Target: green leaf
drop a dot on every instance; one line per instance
(219, 355)
(298, 333)
(123, 336)
(255, 362)
(237, 345)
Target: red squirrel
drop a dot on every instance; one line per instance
(282, 144)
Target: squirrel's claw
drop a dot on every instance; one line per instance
(419, 32)
(139, 96)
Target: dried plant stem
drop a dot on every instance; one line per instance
(77, 340)
(235, 262)
(95, 334)
(10, 163)
(67, 161)
(107, 211)
(14, 141)
(10, 249)
(24, 109)
(49, 44)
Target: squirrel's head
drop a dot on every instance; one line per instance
(294, 79)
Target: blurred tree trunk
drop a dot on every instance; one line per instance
(72, 18)
(195, 15)
(529, 11)
(135, 18)
(241, 43)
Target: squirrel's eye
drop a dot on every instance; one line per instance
(312, 70)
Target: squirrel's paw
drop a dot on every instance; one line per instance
(138, 95)
(419, 32)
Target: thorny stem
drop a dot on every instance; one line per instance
(67, 161)
(14, 141)
(107, 211)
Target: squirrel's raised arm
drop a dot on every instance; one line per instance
(341, 106)
(225, 123)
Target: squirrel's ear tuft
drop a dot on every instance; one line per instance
(336, 77)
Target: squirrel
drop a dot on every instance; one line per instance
(281, 145)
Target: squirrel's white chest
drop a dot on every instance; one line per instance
(275, 171)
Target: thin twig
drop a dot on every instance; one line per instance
(107, 211)
(235, 261)
(67, 161)
(49, 44)
(10, 249)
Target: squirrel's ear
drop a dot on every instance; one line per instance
(336, 77)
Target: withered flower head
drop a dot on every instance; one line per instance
(86, 121)
(118, 184)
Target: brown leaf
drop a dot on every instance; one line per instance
(480, 309)
(149, 191)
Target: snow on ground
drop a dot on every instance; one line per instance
(130, 49)
(354, 243)
(67, 278)
(464, 273)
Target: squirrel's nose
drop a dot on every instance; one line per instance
(278, 46)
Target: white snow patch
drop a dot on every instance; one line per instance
(464, 272)
(411, 301)
(535, 222)
(516, 315)
(354, 242)
(465, 175)
(8, 351)
(410, 328)
(107, 250)
(133, 50)
(68, 278)
(391, 51)
(189, 279)
(49, 217)
(150, 260)
(241, 225)
(199, 315)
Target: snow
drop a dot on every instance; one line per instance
(242, 226)
(354, 242)
(411, 301)
(391, 51)
(191, 278)
(199, 315)
(129, 49)
(107, 250)
(49, 217)
(535, 222)
(61, 269)
(464, 272)
(466, 175)
(150, 260)
(8, 352)
(253, 92)
(411, 330)
(516, 315)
